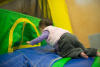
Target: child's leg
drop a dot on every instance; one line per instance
(77, 53)
(77, 44)
(91, 52)
(66, 49)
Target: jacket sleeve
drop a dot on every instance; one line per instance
(43, 36)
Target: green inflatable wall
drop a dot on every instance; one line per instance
(16, 29)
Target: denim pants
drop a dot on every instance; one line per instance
(69, 46)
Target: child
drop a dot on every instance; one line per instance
(65, 44)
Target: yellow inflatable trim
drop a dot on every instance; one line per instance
(10, 49)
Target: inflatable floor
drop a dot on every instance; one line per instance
(40, 57)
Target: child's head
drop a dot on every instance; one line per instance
(44, 23)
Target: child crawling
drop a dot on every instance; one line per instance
(65, 44)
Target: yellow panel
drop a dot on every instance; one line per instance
(59, 14)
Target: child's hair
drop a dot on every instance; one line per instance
(45, 22)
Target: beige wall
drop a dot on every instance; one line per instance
(85, 18)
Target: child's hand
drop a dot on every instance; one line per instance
(83, 55)
(28, 42)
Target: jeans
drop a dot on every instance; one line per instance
(70, 46)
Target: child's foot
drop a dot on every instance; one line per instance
(83, 55)
(98, 53)
(28, 42)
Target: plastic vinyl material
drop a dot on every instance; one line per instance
(39, 57)
(59, 13)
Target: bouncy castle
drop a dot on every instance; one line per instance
(16, 28)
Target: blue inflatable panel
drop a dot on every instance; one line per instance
(38, 57)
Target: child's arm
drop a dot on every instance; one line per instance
(43, 36)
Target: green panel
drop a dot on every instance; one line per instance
(96, 62)
(7, 19)
(61, 62)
